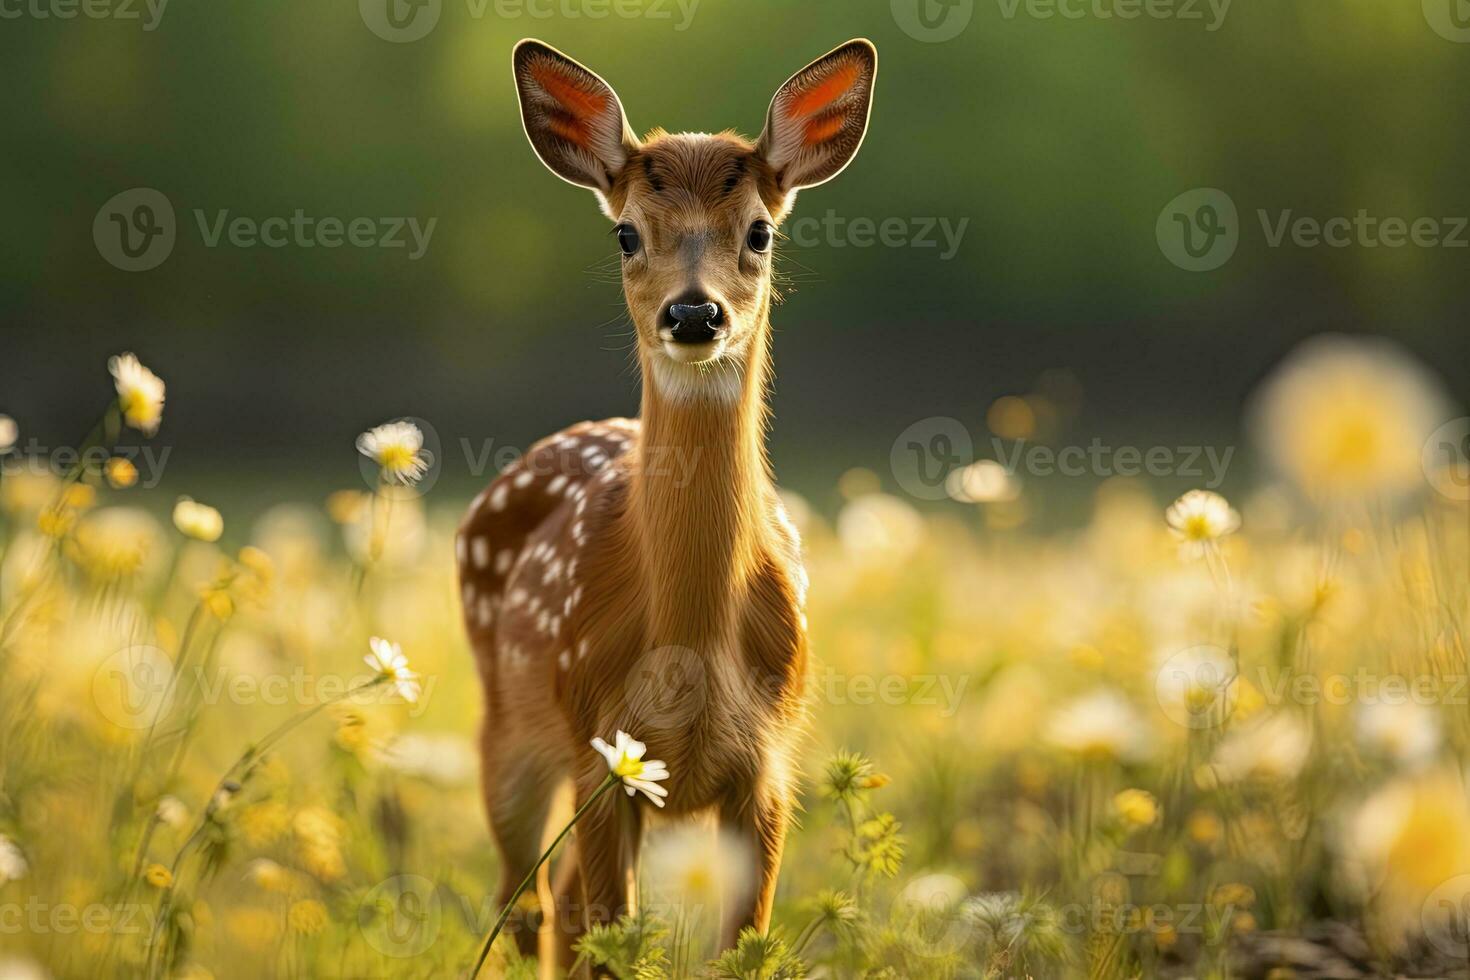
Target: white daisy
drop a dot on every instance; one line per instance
(139, 393)
(172, 812)
(1100, 725)
(198, 521)
(398, 449)
(1406, 732)
(13, 864)
(625, 759)
(388, 660)
(1198, 519)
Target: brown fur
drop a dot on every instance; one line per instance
(641, 575)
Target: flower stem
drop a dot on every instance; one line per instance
(255, 751)
(607, 784)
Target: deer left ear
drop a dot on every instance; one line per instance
(817, 119)
(572, 117)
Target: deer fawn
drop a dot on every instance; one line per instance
(621, 549)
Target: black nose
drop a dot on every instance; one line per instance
(694, 320)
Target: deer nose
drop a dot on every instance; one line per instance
(696, 321)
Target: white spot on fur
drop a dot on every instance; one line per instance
(523, 479)
(480, 549)
(485, 611)
(499, 496)
(557, 484)
(503, 560)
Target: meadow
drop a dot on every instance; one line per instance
(1196, 737)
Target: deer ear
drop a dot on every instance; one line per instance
(817, 119)
(572, 117)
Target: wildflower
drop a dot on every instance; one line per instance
(1274, 749)
(625, 760)
(217, 600)
(445, 759)
(9, 432)
(1233, 894)
(1199, 519)
(1348, 417)
(198, 521)
(120, 473)
(691, 865)
(1098, 726)
(13, 864)
(879, 529)
(158, 876)
(1407, 733)
(139, 393)
(390, 663)
(1204, 827)
(264, 822)
(398, 449)
(982, 482)
(308, 917)
(171, 812)
(268, 875)
(848, 773)
(1136, 807)
(1198, 687)
(113, 542)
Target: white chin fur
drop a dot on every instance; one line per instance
(685, 373)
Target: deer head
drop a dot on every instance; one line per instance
(695, 214)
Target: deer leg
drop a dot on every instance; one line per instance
(608, 837)
(517, 796)
(567, 925)
(760, 823)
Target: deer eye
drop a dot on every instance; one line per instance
(759, 237)
(628, 239)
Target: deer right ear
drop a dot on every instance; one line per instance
(572, 117)
(817, 119)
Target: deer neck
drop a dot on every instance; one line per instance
(699, 495)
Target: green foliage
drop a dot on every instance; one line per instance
(757, 957)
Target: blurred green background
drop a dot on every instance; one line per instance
(1059, 140)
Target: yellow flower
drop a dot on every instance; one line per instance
(158, 876)
(1204, 827)
(268, 875)
(114, 542)
(398, 449)
(120, 473)
(347, 506)
(218, 602)
(1348, 417)
(1234, 894)
(307, 917)
(1199, 519)
(262, 823)
(198, 521)
(139, 393)
(79, 496)
(1137, 808)
(56, 522)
